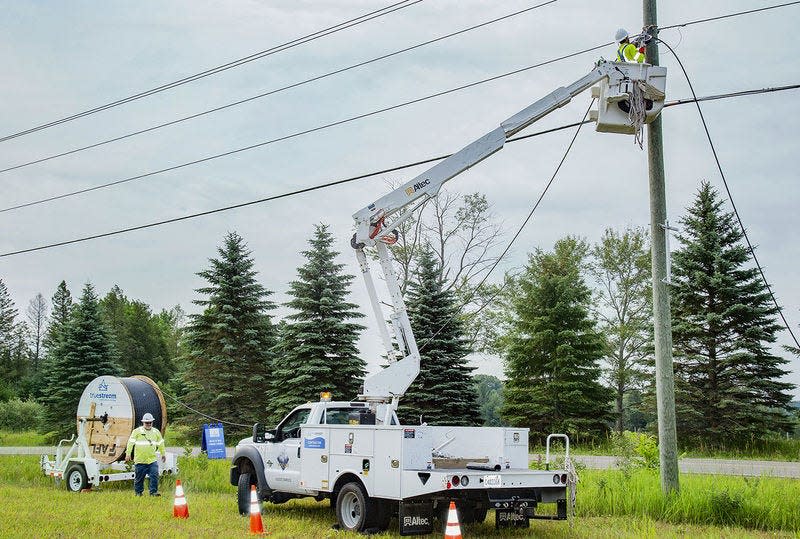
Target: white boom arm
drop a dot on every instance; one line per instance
(375, 223)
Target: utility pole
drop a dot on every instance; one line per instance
(662, 321)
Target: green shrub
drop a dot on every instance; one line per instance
(19, 415)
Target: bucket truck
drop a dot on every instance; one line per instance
(356, 453)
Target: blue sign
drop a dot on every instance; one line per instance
(314, 443)
(213, 441)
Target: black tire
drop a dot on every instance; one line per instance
(355, 511)
(243, 492)
(471, 513)
(76, 478)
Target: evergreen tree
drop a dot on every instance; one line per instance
(728, 387)
(84, 352)
(553, 349)
(444, 392)
(60, 314)
(228, 359)
(14, 352)
(138, 336)
(318, 344)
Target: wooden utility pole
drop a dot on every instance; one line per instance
(662, 321)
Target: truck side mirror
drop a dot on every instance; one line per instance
(261, 434)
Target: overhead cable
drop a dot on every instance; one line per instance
(275, 91)
(730, 196)
(326, 185)
(295, 134)
(224, 67)
(514, 238)
(728, 16)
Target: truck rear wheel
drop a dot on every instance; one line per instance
(76, 478)
(355, 511)
(243, 492)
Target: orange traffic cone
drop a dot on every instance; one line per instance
(453, 530)
(256, 525)
(180, 509)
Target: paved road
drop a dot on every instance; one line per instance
(708, 466)
(687, 465)
(42, 450)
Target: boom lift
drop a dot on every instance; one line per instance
(622, 86)
(357, 453)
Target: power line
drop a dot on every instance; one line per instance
(729, 15)
(297, 133)
(275, 91)
(224, 67)
(204, 415)
(730, 196)
(325, 185)
(516, 234)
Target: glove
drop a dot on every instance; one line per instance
(641, 50)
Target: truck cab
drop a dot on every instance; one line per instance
(272, 458)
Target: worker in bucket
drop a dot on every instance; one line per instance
(627, 51)
(142, 446)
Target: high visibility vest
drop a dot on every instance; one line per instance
(627, 52)
(144, 444)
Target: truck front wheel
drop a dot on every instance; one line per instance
(76, 478)
(243, 492)
(355, 511)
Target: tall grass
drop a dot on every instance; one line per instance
(609, 505)
(755, 503)
(25, 438)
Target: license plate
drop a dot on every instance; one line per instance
(492, 480)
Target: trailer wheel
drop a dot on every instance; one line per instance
(76, 478)
(355, 511)
(243, 492)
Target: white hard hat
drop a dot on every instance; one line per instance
(148, 418)
(620, 35)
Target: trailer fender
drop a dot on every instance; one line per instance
(248, 459)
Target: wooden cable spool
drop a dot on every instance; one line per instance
(115, 407)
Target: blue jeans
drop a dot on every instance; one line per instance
(150, 470)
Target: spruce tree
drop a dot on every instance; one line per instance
(553, 350)
(728, 387)
(14, 352)
(228, 360)
(318, 343)
(60, 312)
(84, 352)
(444, 392)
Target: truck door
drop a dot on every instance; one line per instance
(282, 465)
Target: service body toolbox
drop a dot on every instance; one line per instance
(390, 469)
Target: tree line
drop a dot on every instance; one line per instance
(573, 329)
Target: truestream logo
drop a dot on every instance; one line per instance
(102, 393)
(417, 186)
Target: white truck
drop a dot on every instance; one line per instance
(356, 453)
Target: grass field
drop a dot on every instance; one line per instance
(609, 505)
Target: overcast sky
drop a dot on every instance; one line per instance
(64, 57)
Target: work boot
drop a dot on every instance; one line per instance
(138, 494)
(155, 494)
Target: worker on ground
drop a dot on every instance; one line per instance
(142, 446)
(627, 51)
